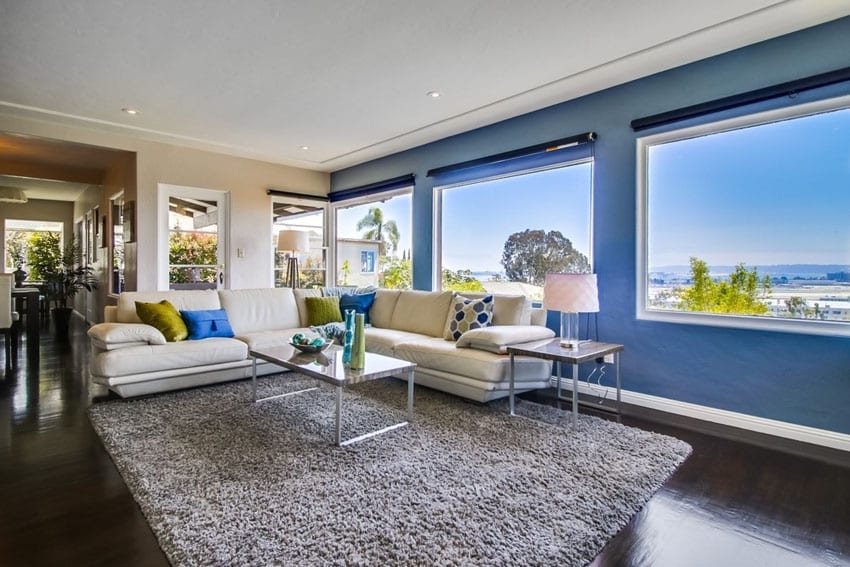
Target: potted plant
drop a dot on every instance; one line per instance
(16, 247)
(71, 277)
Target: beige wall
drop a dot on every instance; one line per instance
(245, 179)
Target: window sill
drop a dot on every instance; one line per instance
(797, 326)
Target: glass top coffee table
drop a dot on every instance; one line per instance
(328, 367)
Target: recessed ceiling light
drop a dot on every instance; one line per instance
(304, 147)
(129, 110)
(433, 94)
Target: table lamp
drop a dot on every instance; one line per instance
(293, 242)
(570, 294)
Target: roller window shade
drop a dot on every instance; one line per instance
(373, 188)
(533, 157)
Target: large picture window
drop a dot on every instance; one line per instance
(503, 234)
(373, 241)
(744, 222)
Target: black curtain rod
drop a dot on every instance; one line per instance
(788, 88)
(513, 154)
(279, 193)
(373, 188)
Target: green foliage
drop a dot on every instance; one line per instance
(460, 280)
(743, 294)
(798, 308)
(346, 271)
(44, 255)
(16, 248)
(311, 274)
(529, 255)
(71, 275)
(396, 274)
(193, 250)
(384, 231)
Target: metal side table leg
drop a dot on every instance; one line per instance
(575, 395)
(339, 416)
(617, 372)
(410, 379)
(254, 378)
(511, 388)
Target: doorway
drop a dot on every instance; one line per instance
(193, 238)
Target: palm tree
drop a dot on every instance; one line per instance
(386, 232)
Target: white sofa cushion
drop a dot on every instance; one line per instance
(497, 339)
(381, 312)
(422, 312)
(155, 358)
(439, 354)
(383, 341)
(266, 309)
(301, 294)
(188, 300)
(109, 336)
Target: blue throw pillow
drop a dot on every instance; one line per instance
(359, 302)
(208, 323)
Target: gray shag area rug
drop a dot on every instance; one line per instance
(223, 481)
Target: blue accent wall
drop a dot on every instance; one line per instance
(795, 378)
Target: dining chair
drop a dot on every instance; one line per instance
(8, 321)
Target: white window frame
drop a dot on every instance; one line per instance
(804, 326)
(313, 203)
(356, 202)
(437, 258)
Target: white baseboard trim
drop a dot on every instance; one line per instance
(805, 434)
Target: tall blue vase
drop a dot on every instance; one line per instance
(358, 348)
(348, 338)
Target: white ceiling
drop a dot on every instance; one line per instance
(348, 78)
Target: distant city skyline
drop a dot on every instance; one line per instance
(766, 195)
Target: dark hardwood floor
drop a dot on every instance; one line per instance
(62, 502)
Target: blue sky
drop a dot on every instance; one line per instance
(773, 194)
(478, 218)
(397, 209)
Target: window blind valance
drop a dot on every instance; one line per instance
(531, 157)
(373, 188)
(789, 88)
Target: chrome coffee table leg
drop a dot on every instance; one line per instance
(339, 416)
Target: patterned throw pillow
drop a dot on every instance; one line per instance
(466, 314)
(164, 317)
(322, 310)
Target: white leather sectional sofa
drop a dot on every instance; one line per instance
(133, 359)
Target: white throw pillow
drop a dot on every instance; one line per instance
(497, 338)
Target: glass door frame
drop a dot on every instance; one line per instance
(164, 192)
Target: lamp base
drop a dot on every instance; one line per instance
(292, 272)
(569, 330)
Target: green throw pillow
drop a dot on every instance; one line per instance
(165, 318)
(322, 310)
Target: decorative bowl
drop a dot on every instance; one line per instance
(311, 348)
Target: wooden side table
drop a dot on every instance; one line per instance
(552, 350)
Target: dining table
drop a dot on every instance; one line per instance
(29, 296)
